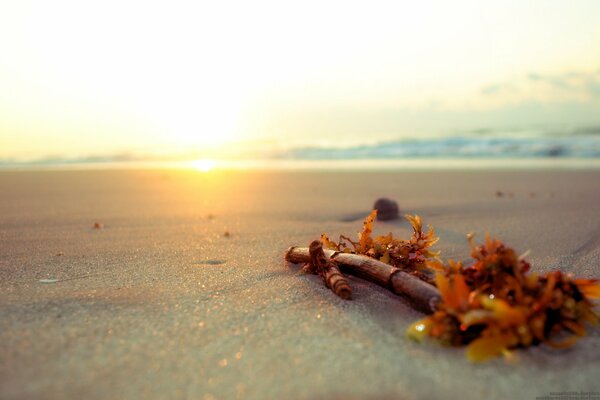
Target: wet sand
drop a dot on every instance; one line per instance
(183, 293)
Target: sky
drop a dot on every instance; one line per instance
(81, 79)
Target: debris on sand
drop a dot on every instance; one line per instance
(387, 209)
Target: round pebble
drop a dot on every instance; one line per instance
(387, 209)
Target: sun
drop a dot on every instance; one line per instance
(204, 165)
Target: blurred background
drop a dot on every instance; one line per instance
(238, 82)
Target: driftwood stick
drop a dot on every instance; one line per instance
(322, 265)
(424, 296)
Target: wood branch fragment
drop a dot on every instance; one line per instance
(423, 295)
(329, 271)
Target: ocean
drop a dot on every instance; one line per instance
(467, 151)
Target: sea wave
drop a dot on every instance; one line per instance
(576, 146)
(475, 149)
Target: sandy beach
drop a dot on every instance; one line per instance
(183, 292)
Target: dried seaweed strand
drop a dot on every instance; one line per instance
(321, 265)
(422, 295)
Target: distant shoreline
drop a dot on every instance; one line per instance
(335, 165)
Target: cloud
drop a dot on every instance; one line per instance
(495, 89)
(571, 85)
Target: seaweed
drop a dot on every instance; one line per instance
(414, 254)
(493, 306)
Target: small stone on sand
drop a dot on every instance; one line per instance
(387, 209)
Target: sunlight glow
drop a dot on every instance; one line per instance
(195, 79)
(204, 165)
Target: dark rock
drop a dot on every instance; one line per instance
(387, 209)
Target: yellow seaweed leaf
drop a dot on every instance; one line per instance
(475, 317)
(589, 316)
(574, 327)
(504, 313)
(420, 329)
(385, 257)
(589, 287)
(454, 290)
(415, 222)
(365, 235)
(327, 243)
(485, 348)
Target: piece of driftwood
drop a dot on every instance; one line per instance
(320, 264)
(423, 295)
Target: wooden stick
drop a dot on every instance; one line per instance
(424, 296)
(322, 265)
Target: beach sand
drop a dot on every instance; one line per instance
(184, 293)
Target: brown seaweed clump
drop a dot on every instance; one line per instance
(495, 304)
(411, 255)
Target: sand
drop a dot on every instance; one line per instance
(162, 303)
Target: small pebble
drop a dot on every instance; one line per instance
(387, 209)
(227, 234)
(98, 225)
